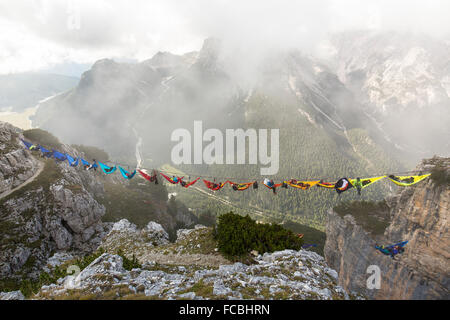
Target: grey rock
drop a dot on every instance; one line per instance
(13, 295)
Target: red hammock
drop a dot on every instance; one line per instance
(170, 179)
(274, 186)
(187, 185)
(147, 177)
(214, 186)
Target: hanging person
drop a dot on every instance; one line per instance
(342, 185)
(392, 250)
(358, 185)
(269, 183)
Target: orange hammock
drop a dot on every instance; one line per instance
(241, 186)
(304, 185)
(214, 186)
(328, 185)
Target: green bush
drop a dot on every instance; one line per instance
(28, 287)
(42, 137)
(129, 264)
(91, 153)
(238, 235)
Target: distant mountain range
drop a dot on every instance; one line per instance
(376, 106)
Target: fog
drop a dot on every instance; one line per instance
(42, 33)
(254, 37)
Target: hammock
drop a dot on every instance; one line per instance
(328, 185)
(241, 186)
(59, 156)
(106, 169)
(45, 152)
(126, 174)
(214, 186)
(385, 250)
(360, 184)
(152, 178)
(85, 163)
(72, 161)
(188, 184)
(174, 180)
(405, 181)
(342, 185)
(304, 185)
(29, 145)
(271, 186)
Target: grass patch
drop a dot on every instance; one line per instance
(29, 287)
(49, 175)
(202, 289)
(42, 137)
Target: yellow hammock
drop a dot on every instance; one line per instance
(304, 185)
(405, 181)
(366, 181)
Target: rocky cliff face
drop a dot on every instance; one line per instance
(418, 214)
(51, 208)
(48, 207)
(16, 165)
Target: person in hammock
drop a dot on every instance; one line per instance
(405, 180)
(269, 183)
(109, 169)
(93, 166)
(393, 250)
(358, 184)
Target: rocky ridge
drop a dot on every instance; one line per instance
(285, 274)
(56, 211)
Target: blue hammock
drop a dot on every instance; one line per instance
(385, 250)
(88, 166)
(58, 155)
(305, 246)
(126, 174)
(29, 145)
(72, 161)
(84, 162)
(106, 169)
(45, 152)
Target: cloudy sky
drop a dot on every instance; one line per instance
(38, 35)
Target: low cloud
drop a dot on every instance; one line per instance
(36, 35)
